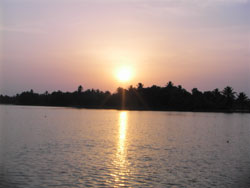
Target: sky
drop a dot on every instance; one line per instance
(61, 44)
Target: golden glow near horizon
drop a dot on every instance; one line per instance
(120, 158)
(124, 74)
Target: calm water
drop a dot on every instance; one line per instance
(64, 147)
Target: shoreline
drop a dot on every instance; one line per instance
(137, 109)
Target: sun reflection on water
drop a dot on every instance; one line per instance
(121, 171)
(122, 131)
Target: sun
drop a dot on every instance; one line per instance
(124, 74)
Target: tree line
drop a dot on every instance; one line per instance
(169, 97)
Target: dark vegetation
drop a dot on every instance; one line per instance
(169, 97)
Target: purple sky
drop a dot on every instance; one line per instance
(60, 44)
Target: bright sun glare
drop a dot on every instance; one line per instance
(124, 74)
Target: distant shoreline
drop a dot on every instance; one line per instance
(154, 98)
(119, 109)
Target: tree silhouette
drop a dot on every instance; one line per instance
(170, 97)
(242, 100)
(242, 97)
(139, 86)
(229, 95)
(170, 84)
(216, 92)
(80, 88)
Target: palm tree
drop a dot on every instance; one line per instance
(229, 93)
(242, 100)
(242, 97)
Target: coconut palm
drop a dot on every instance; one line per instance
(229, 93)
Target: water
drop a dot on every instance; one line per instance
(64, 147)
